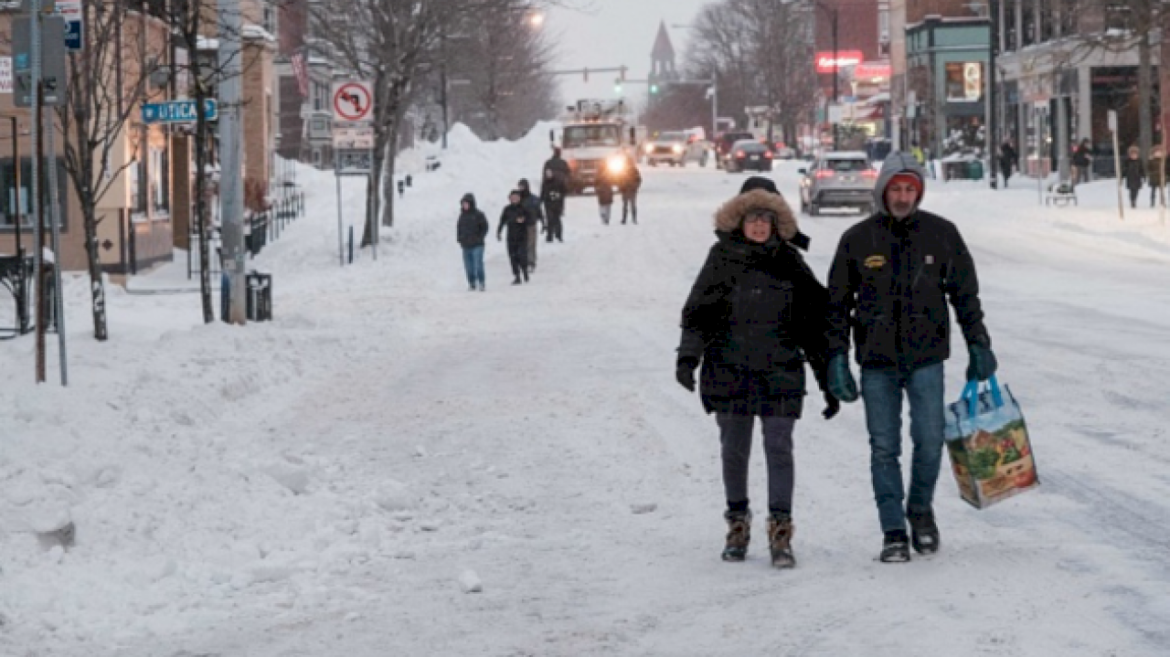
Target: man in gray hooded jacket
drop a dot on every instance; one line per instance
(889, 285)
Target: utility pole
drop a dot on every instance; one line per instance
(231, 183)
(992, 101)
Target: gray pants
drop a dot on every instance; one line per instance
(533, 233)
(735, 432)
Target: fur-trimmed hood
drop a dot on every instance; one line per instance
(729, 217)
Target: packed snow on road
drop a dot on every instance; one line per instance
(398, 466)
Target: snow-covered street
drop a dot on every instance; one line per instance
(321, 484)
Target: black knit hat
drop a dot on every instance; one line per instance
(759, 182)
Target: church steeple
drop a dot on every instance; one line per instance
(662, 56)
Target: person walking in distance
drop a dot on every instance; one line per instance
(1007, 160)
(516, 219)
(470, 231)
(1134, 174)
(604, 188)
(628, 187)
(554, 186)
(889, 285)
(755, 314)
(536, 216)
(1156, 174)
(1082, 159)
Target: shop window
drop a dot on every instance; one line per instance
(964, 81)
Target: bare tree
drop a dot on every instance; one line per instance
(503, 62)
(107, 81)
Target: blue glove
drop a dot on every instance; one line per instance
(841, 383)
(982, 365)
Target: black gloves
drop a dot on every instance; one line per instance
(982, 365)
(841, 383)
(832, 406)
(684, 373)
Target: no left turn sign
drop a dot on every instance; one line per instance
(352, 101)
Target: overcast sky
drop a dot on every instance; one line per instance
(612, 33)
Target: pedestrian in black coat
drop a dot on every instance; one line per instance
(889, 287)
(628, 187)
(1134, 173)
(516, 219)
(554, 186)
(470, 231)
(754, 316)
(531, 202)
(1008, 160)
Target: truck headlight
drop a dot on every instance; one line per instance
(649, 148)
(616, 164)
(677, 148)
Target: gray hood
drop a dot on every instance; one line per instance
(896, 162)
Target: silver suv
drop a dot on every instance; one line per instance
(838, 180)
(675, 149)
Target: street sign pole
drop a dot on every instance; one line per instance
(35, 206)
(55, 221)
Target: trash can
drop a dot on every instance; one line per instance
(258, 290)
(975, 170)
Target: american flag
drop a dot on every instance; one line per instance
(301, 71)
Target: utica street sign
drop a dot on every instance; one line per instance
(178, 111)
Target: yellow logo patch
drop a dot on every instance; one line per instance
(875, 262)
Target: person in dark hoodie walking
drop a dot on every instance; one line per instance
(554, 185)
(889, 284)
(516, 219)
(754, 316)
(628, 187)
(470, 231)
(1133, 171)
(536, 216)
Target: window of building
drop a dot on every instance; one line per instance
(1046, 19)
(160, 188)
(1011, 38)
(1028, 25)
(1118, 16)
(8, 194)
(270, 17)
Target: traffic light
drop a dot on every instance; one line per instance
(653, 88)
(617, 86)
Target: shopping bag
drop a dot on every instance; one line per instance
(987, 441)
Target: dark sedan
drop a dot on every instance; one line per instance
(749, 154)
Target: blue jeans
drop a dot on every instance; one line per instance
(473, 264)
(882, 391)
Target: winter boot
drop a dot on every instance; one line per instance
(739, 534)
(896, 547)
(516, 281)
(923, 530)
(780, 530)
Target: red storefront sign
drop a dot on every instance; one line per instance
(826, 63)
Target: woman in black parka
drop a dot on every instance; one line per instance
(756, 313)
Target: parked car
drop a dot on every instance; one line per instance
(675, 149)
(723, 144)
(782, 152)
(841, 179)
(749, 154)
